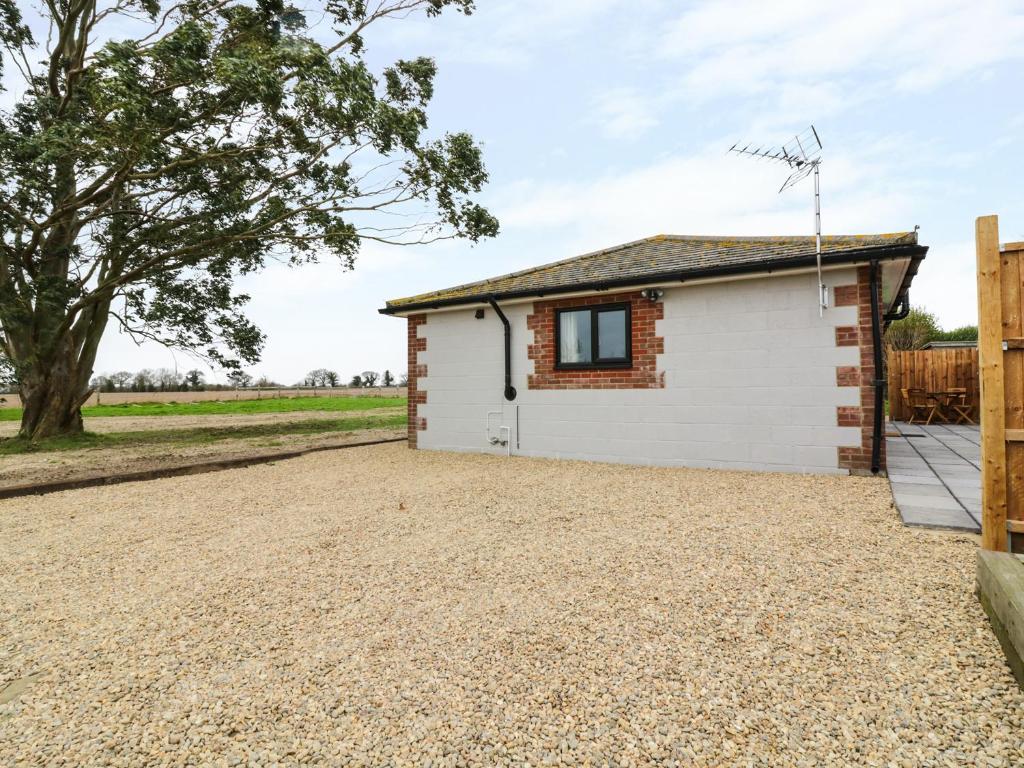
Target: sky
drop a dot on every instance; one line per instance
(605, 121)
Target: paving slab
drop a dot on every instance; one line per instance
(935, 476)
(918, 489)
(930, 517)
(922, 479)
(935, 502)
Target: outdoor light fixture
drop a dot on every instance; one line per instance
(652, 294)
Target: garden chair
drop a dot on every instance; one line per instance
(919, 404)
(960, 405)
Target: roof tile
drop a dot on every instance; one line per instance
(675, 255)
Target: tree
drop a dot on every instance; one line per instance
(403, 380)
(319, 377)
(140, 176)
(388, 379)
(357, 381)
(239, 379)
(265, 382)
(8, 377)
(913, 331)
(963, 333)
(331, 378)
(370, 378)
(102, 383)
(143, 381)
(194, 379)
(121, 379)
(167, 380)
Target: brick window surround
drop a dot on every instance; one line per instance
(417, 396)
(857, 459)
(642, 374)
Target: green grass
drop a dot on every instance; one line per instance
(217, 407)
(201, 435)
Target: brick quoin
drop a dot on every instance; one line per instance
(417, 396)
(847, 336)
(857, 459)
(848, 415)
(643, 374)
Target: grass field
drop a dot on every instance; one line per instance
(222, 407)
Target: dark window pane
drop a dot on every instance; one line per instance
(574, 336)
(611, 334)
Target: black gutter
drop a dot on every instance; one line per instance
(510, 391)
(879, 381)
(888, 253)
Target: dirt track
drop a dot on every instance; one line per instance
(142, 423)
(49, 466)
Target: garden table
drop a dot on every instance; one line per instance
(952, 405)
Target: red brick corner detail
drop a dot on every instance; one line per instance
(646, 346)
(857, 458)
(417, 396)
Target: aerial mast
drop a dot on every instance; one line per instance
(803, 156)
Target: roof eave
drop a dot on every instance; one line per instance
(902, 295)
(886, 253)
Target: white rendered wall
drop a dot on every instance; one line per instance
(750, 383)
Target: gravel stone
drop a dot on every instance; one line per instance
(387, 607)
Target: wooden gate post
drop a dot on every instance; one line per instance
(990, 368)
(1001, 367)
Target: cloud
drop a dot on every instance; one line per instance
(750, 47)
(708, 192)
(623, 113)
(503, 33)
(711, 193)
(946, 283)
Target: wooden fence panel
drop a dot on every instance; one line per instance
(1013, 379)
(934, 370)
(1001, 347)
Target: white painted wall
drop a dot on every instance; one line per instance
(750, 384)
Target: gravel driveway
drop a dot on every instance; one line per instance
(380, 606)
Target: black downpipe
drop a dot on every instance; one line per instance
(879, 382)
(510, 391)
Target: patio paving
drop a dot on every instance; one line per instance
(935, 474)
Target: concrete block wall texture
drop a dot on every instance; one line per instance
(747, 378)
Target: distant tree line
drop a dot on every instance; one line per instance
(168, 380)
(8, 381)
(322, 377)
(920, 327)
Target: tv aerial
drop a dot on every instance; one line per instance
(803, 156)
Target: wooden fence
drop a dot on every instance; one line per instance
(933, 370)
(1001, 343)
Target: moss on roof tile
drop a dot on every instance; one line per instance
(675, 255)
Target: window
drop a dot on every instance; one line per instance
(593, 337)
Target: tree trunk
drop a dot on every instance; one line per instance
(52, 397)
(54, 386)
